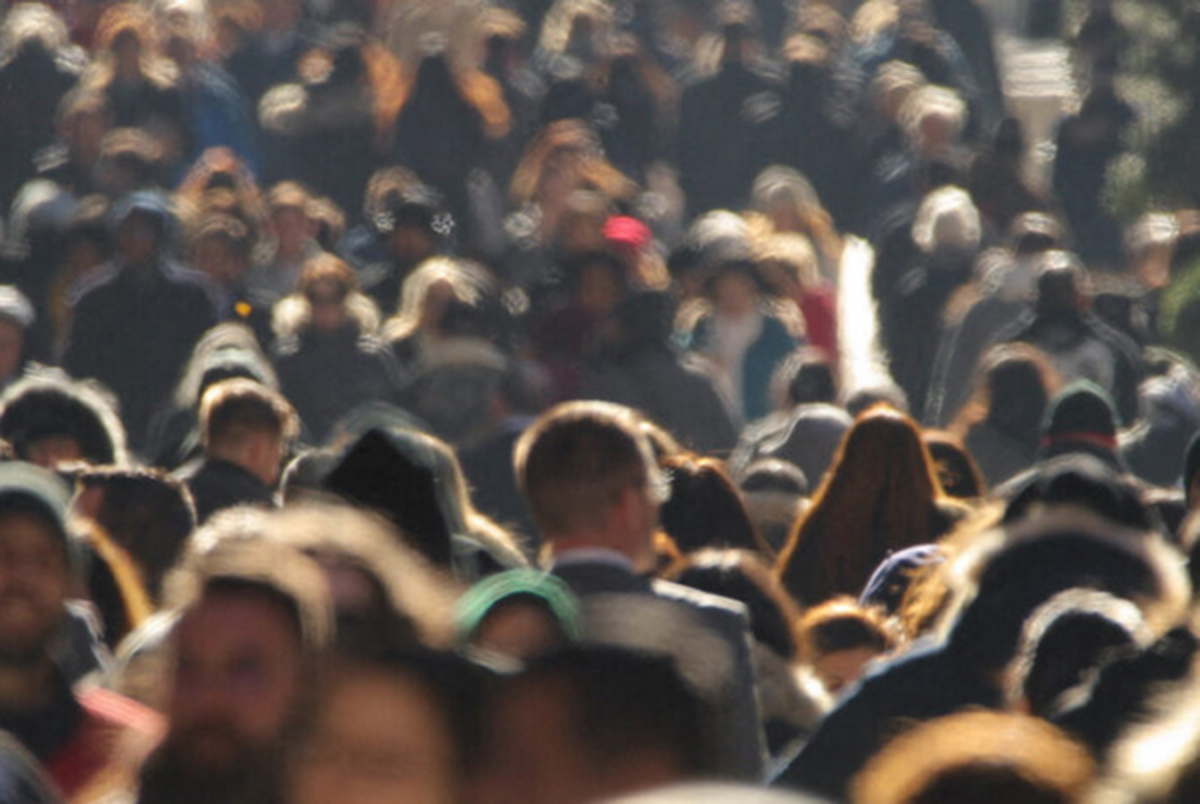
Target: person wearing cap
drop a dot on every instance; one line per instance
(16, 317)
(137, 319)
(75, 733)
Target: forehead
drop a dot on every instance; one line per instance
(29, 527)
(226, 620)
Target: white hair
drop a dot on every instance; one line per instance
(947, 221)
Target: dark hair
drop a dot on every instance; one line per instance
(233, 409)
(956, 469)
(574, 460)
(51, 404)
(147, 513)
(623, 703)
(842, 624)
(705, 508)
(743, 576)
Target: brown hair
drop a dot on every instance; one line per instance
(574, 138)
(576, 458)
(973, 756)
(232, 409)
(705, 508)
(880, 494)
(842, 624)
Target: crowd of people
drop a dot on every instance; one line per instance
(564, 401)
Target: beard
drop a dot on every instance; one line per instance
(211, 764)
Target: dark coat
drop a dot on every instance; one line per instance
(631, 611)
(217, 484)
(135, 331)
(327, 376)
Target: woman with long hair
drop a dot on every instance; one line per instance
(880, 495)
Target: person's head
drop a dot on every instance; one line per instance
(1013, 387)
(947, 227)
(379, 583)
(977, 756)
(589, 476)
(35, 562)
(409, 222)
(588, 722)
(141, 224)
(399, 726)
(147, 513)
(804, 377)
(933, 119)
(445, 298)
(956, 469)
(288, 217)
(839, 637)
(776, 495)
(1069, 636)
(1081, 419)
(705, 508)
(518, 614)
(16, 316)
(1062, 284)
(736, 289)
(246, 423)
(221, 248)
(254, 617)
(52, 420)
(883, 482)
(325, 286)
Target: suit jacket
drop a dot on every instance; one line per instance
(707, 636)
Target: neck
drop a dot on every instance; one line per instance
(26, 686)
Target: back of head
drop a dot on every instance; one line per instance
(977, 757)
(52, 406)
(233, 410)
(705, 508)
(1061, 284)
(144, 511)
(574, 461)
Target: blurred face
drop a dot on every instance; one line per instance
(33, 585)
(518, 629)
(237, 678)
(841, 668)
(599, 290)
(12, 344)
(215, 257)
(536, 755)
(137, 239)
(409, 245)
(378, 737)
(328, 306)
(292, 229)
(735, 295)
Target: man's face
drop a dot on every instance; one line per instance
(138, 239)
(377, 738)
(34, 578)
(237, 679)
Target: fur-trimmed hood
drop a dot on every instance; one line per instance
(292, 316)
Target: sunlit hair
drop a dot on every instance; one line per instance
(420, 595)
(842, 624)
(788, 199)
(947, 221)
(129, 19)
(977, 756)
(933, 102)
(469, 284)
(326, 272)
(27, 24)
(575, 460)
(567, 140)
(794, 254)
(565, 18)
(1014, 384)
(879, 495)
